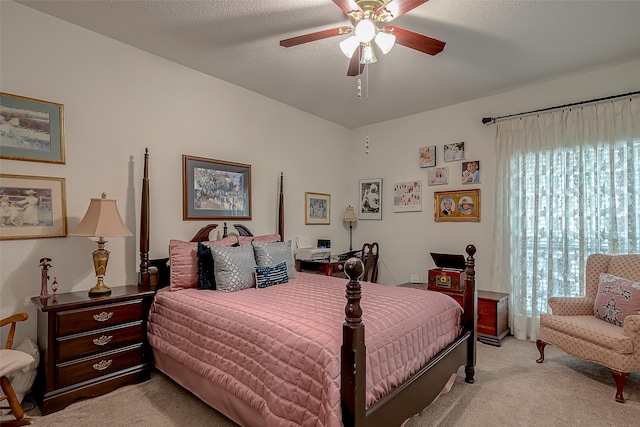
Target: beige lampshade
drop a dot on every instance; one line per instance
(102, 220)
(350, 215)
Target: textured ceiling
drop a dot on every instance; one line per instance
(491, 46)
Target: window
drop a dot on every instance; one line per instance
(569, 187)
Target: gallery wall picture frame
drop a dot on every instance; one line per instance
(456, 206)
(428, 156)
(215, 189)
(455, 151)
(370, 199)
(438, 175)
(31, 129)
(407, 196)
(470, 172)
(317, 208)
(32, 207)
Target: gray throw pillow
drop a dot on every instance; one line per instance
(234, 267)
(274, 253)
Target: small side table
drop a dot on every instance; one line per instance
(90, 345)
(328, 268)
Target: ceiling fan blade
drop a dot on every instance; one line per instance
(311, 37)
(348, 5)
(417, 41)
(355, 67)
(396, 8)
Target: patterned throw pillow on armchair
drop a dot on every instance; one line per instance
(616, 299)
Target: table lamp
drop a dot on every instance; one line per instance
(101, 220)
(350, 217)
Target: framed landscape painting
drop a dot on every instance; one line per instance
(32, 207)
(31, 129)
(215, 189)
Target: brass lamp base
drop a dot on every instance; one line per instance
(100, 261)
(99, 289)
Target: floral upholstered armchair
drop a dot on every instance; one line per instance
(604, 325)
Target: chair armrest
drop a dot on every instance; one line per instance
(631, 326)
(12, 320)
(568, 306)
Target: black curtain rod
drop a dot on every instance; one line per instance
(486, 120)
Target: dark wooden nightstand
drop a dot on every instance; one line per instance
(90, 345)
(329, 268)
(493, 312)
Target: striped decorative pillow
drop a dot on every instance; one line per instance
(271, 275)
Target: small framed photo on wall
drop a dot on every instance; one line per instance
(317, 208)
(370, 199)
(438, 176)
(428, 156)
(471, 172)
(407, 196)
(453, 152)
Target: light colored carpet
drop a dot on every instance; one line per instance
(511, 389)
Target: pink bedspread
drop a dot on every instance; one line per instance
(278, 348)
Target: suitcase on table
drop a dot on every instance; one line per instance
(449, 273)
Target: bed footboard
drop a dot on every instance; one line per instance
(423, 387)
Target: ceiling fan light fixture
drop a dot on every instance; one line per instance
(385, 41)
(349, 45)
(365, 30)
(368, 55)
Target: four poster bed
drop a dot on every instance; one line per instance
(274, 355)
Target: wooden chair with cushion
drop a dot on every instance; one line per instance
(370, 253)
(604, 325)
(13, 361)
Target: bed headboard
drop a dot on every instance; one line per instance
(148, 276)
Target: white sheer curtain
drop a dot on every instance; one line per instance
(568, 185)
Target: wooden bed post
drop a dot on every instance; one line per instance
(354, 369)
(470, 316)
(144, 277)
(281, 209)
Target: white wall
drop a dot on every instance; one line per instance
(407, 238)
(119, 100)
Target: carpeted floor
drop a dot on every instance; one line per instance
(510, 390)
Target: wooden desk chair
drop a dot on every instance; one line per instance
(370, 259)
(12, 361)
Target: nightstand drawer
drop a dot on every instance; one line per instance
(103, 364)
(87, 319)
(76, 346)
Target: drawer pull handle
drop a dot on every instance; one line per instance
(102, 365)
(103, 317)
(103, 340)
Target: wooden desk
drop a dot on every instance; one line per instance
(328, 268)
(493, 312)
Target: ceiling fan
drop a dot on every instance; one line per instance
(368, 19)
